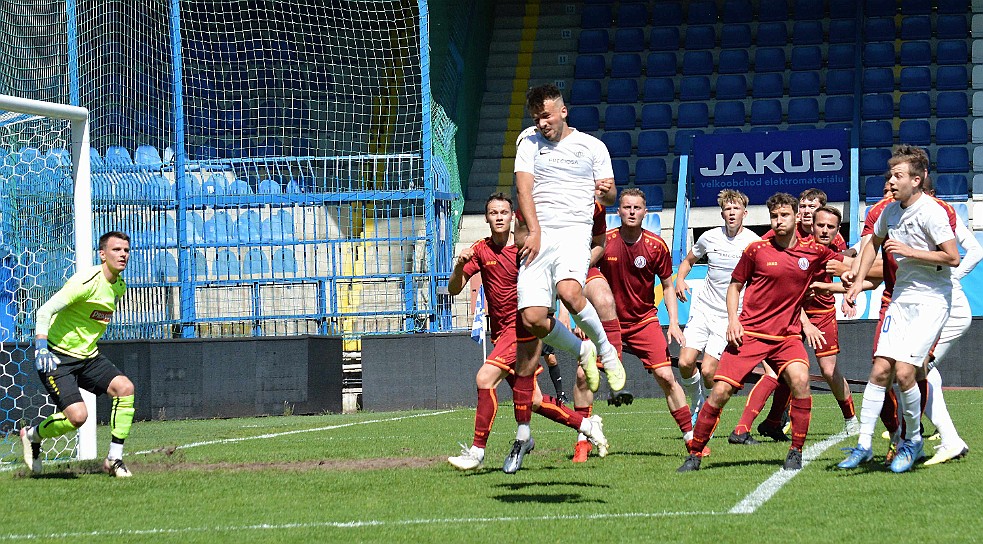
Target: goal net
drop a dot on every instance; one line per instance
(45, 231)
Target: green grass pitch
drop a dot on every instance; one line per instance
(383, 477)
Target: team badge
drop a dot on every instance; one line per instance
(803, 263)
(640, 262)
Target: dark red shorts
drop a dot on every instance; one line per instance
(737, 362)
(646, 341)
(826, 323)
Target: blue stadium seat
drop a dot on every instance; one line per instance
(952, 160)
(879, 54)
(160, 188)
(248, 226)
(874, 188)
(164, 266)
(596, 16)
(660, 64)
(728, 114)
(771, 35)
(618, 143)
(656, 116)
(255, 262)
(668, 14)
(769, 59)
(694, 88)
(839, 82)
(733, 61)
(957, 7)
(102, 187)
(731, 87)
(772, 128)
(216, 185)
(737, 11)
(838, 108)
(626, 65)
(951, 78)
(632, 15)
(220, 229)
(879, 29)
(915, 132)
(916, 28)
(282, 226)
(807, 33)
(951, 52)
(697, 63)
(880, 8)
(773, 10)
(951, 27)
(622, 91)
(585, 92)
(95, 160)
(841, 55)
(878, 80)
(803, 84)
(809, 10)
(728, 130)
(803, 110)
(199, 263)
(874, 161)
(702, 13)
(876, 134)
(659, 89)
(650, 170)
(953, 187)
(766, 112)
(914, 78)
(226, 264)
(593, 41)
(952, 104)
(951, 132)
(653, 143)
(916, 7)
(843, 30)
(683, 142)
(664, 38)
(842, 9)
(735, 36)
(117, 156)
(807, 58)
(700, 37)
(877, 106)
(590, 67)
(619, 117)
(693, 115)
(269, 187)
(654, 200)
(768, 86)
(284, 261)
(914, 106)
(584, 118)
(839, 126)
(147, 155)
(916, 53)
(629, 40)
(621, 171)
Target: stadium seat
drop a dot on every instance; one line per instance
(951, 52)
(769, 59)
(737, 11)
(220, 229)
(766, 112)
(771, 35)
(656, 116)
(806, 58)
(838, 109)
(951, 78)
(160, 188)
(658, 89)
(915, 132)
(199, 263)
(879, 29)
(954, 187)
(803, 110)
(619, 117)
(697, 63)
(803, 84)
(977, 131)
(585, 92)
(660, 64)
(693, 115)
(843, 9)
(593, 41)
(772, 128)
(951, 132)
(702, 13)
(880, 8)
(626, 65)
(879, 54)
(147, 155)
(683, 142)
(917, 27)
(668, 14)
(226, 264)
(841, 55)
(767, 86)
(878, 80)
(589, 67)
(977, 158)
(102, 187)
(728, 114)
(914, 106)
(876, 134)
(664, 38)
(622, 91)
(118, 156)
(293, 187)
(654, 201)
(952, 160)
(728, 130)
(957, 7)
(618, 143)
(584, 118)
(809, 10)
(735, 36)
(653, 143)
(916, 7)
(629, 40)
(978, 187)
(284, 261)
(269, 187)
(731, 87)
(914, 78)
(248, 226)
(240, 187)
(874, 188)
(700, 37)
(842, 30)
(95, 160)
(254, 262)
(874, 161)
(962, 212)
(694, 88)
(216, 185)
(596, 16)
(951, 27)
(877, 106)
(621, 171)
(733, 61)
(952, 104)
(807, 33)
(650, 170)
(773, 10)
(916, 53)
(632, 15)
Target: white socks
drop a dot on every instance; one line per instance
(523, 432)
(115, 451)
(693, 386)
(561, 337)
(870, 410)
(911, 408)
(937, 411)
(590, 323)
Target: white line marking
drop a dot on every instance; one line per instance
(769, 487)
(353, 524)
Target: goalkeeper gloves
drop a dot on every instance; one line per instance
(44, 360)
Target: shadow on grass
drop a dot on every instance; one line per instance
(546, 498)
(523, 485)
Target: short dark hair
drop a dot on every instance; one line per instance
(830, 210)
(104, 239)
(814, 194)
(536, 97)
(782, 199)
(498, 196)
(916, 158)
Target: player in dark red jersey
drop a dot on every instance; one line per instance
(497, 260)
(777, 273)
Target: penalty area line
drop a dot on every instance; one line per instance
(772, 485)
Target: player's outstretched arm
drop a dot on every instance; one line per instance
(974, 251)
(458, 277)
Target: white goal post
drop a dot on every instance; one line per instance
(82, 198)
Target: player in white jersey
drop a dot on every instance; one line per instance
(558, 172)
(916, 229)
(708, 312)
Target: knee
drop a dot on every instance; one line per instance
(581, 378)
(121, 386)
(76, 414)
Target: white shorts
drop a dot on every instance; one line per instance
(910, 330)
(705, 332)
(960, 318)
(564, 253)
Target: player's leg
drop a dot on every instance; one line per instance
(952, 445)
(101, 376)
(690, 378)
(598, 293)
(527, 352)
(486, 380)
(756, 400)
(583, 403)
(796, 374)
(590, 426)
(571, 293)
(63, 388)
(826, 357)
(555, 333)
(553, 367)
(878, 383)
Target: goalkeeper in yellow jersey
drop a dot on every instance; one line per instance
(66, 355)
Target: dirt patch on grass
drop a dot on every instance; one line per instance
(382, 463)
